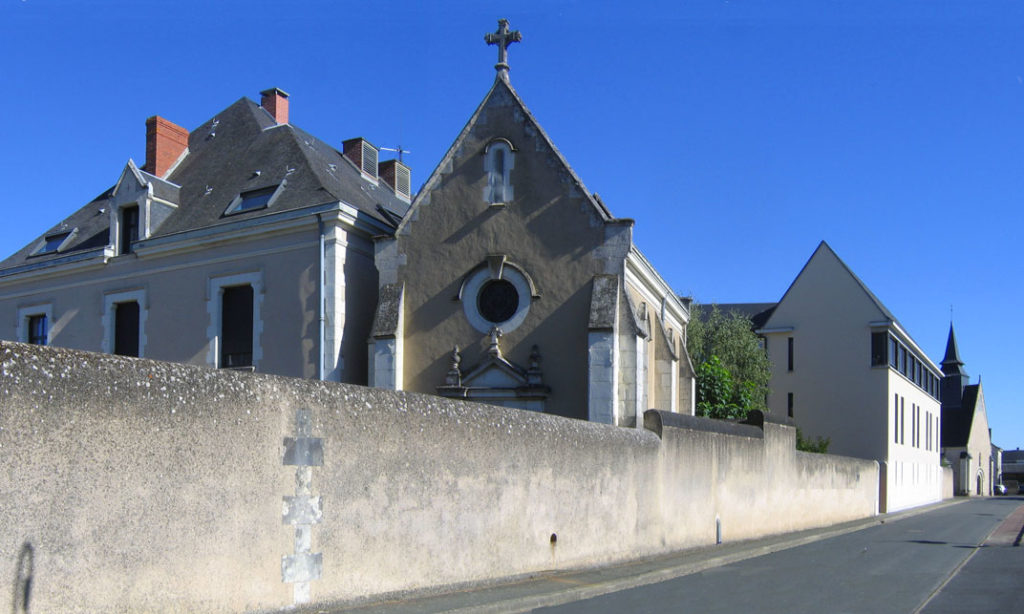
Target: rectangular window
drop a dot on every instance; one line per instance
(928, 430)
(52, 243)
(903, 360)
(126, 328)
(896, 418)
(789, 404)
(790, 354)
(252, 200)
(879, 343)
(129, 228)
(236, 327)
(903, 422)
(37, 329)
(917, 426)
(894, 352)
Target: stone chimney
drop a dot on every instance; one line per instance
(396, 175)
(275, 101)
(165, 142)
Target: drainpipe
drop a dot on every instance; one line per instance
(321, 294)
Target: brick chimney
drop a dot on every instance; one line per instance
(165, 142)
(275, 101)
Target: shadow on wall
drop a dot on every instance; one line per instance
(23, 580)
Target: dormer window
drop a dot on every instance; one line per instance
(498, 164)
(52, 243)
(253, 200)
(129, 223)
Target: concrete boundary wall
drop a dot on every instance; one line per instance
(131, 485)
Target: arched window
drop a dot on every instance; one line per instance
(498, 164)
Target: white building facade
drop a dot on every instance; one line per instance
(844, 368)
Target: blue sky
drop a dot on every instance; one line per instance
(738, 134)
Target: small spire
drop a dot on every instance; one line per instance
(503, 38)
(952, 357)
(454, 375)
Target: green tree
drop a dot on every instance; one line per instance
(818, 445)
(725, 342)
(716, 392)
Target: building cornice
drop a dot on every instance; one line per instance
(641, 273)
(202, 238)
(905, 337)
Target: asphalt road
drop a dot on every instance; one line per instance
(936, 560)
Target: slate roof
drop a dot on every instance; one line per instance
(956, 423)
(1013, 456)
(757, 313)
(951, 363)
(224, 156)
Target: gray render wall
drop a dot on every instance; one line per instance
(132, 485)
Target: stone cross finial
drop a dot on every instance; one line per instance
(503, 38)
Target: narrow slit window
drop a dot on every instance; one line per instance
(903, 422)
(498, 163)
(896, 418)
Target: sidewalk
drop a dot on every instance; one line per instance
(554, 588)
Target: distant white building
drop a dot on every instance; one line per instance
(843, 367)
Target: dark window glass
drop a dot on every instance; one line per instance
(129, 228)
(256, 199)
(879, 343)
(498, 300)
(903, 422)
(126, 329)
(789, 403)
(914, 426)
(894, 352)
(37, 329)
(789, 360)
(903, 360)
(896, 418)
(52, 243)
(236, 327)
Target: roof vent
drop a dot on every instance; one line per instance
(363, 154)
(396, 175)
